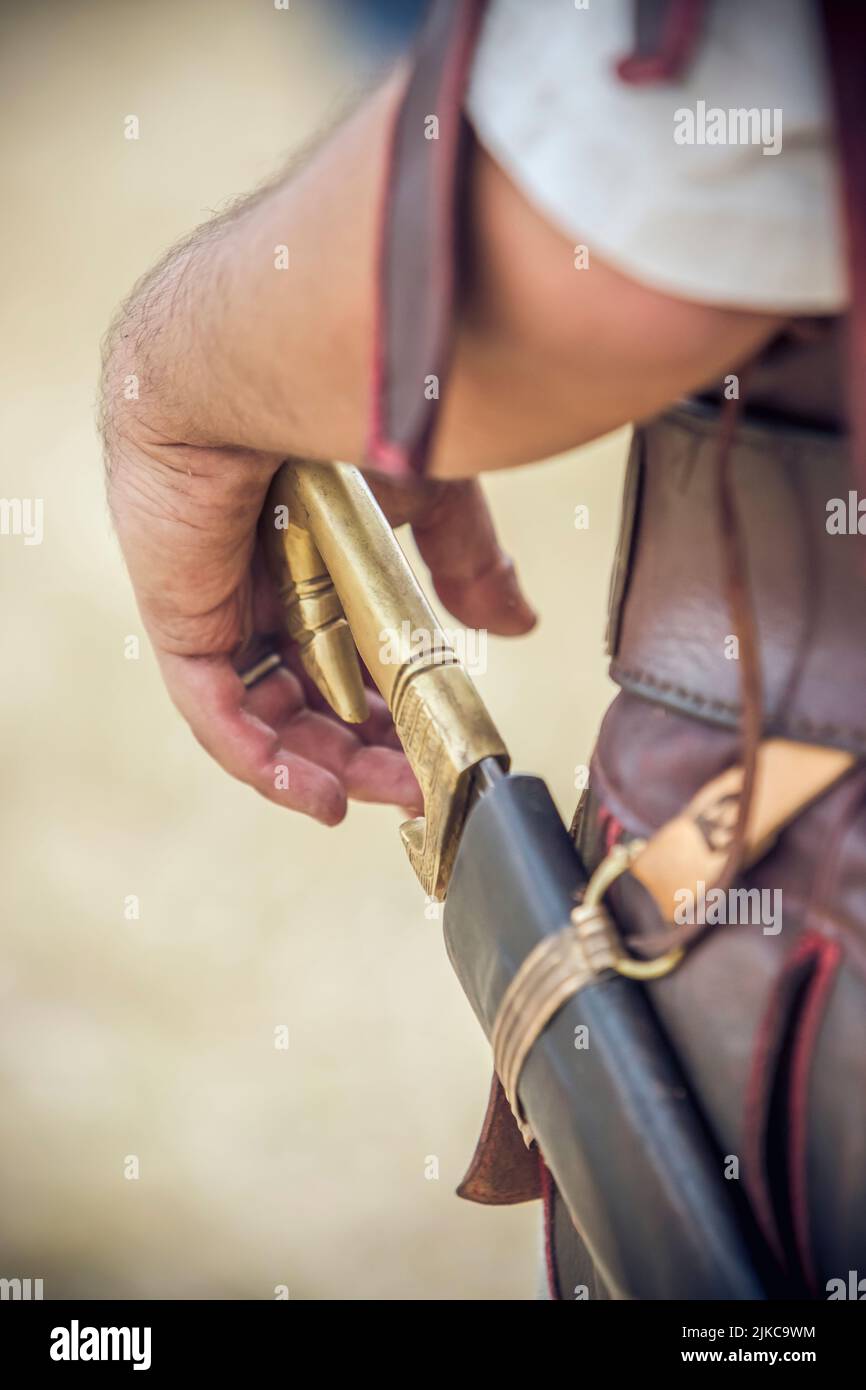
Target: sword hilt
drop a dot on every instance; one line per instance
(347, 585)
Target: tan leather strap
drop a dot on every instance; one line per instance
(694, 847)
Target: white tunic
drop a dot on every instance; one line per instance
(668, 182)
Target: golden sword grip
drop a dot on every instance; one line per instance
(343, 576)
(314, 615)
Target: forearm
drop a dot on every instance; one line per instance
(256, 334)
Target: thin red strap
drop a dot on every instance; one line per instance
(420, 247)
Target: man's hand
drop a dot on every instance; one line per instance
(229, 357)
(187, 521)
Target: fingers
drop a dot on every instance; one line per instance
(381, 774)
(456, 538)
(268, 738)
(377, 728)
(186, 520)
(491, 599)
(473, 577)
(212, 698)
(368, 772)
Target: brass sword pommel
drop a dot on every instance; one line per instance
(347, 584)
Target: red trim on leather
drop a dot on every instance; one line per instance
(827, 956)
(548, 1193)
(677, 40)
(759, 1090)
(812, 965)
(611, 828)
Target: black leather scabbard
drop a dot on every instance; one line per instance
(615, 1121)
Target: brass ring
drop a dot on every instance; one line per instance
(261, 667)
(615, 862)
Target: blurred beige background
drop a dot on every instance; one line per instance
(155, 1037)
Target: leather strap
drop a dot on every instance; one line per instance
(693, 848)
(420, 247)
